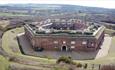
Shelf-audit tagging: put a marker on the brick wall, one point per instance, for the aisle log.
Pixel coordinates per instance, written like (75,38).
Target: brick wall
(56,42)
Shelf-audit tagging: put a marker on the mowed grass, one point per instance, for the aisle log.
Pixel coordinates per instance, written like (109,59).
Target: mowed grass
(4,64)
(9,41)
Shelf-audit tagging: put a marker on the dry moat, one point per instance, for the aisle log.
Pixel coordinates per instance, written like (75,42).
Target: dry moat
(58,37)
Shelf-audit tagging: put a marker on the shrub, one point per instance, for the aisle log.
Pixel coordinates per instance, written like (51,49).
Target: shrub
(65,60)
(79,65)
(12,59)
(85,66)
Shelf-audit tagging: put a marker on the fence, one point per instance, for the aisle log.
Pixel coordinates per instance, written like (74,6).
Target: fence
(97,67)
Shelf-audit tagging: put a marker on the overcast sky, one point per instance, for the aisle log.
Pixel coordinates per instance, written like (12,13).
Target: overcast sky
(92,3)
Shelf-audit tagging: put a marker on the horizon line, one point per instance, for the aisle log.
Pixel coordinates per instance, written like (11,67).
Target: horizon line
(55,4)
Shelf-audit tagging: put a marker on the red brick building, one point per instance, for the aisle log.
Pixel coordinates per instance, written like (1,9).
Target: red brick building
(61,35)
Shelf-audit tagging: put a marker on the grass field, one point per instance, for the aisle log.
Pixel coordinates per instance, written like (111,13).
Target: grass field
(3,63)
(9,41)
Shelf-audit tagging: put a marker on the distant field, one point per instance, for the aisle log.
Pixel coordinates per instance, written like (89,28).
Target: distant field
(11,14)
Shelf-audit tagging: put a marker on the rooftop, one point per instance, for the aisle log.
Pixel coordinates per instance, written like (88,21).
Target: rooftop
(71,27)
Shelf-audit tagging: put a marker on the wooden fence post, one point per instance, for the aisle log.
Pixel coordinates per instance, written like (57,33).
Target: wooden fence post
(99,66)
(92,66)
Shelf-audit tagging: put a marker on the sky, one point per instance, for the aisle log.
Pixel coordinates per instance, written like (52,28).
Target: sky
(90,3)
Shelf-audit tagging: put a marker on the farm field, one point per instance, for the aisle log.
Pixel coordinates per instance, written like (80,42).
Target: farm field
(11,14)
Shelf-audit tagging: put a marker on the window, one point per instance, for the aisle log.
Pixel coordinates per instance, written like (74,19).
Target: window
(64,42)
(92,44)
(55,42)
(72,42)
(72,47)
(56,47)
(84,42)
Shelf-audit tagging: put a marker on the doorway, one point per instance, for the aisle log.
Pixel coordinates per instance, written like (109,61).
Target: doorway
(64,48)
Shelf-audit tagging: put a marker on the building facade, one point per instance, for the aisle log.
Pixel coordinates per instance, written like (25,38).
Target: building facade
(48,37)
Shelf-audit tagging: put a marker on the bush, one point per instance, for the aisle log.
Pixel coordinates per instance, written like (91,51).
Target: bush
(12,59)
(79,65)
(85,66)
(65,60)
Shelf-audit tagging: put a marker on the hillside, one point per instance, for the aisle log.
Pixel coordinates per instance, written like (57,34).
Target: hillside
(58,10)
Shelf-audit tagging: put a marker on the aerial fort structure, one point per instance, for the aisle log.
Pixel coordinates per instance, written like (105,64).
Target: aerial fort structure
(65,35)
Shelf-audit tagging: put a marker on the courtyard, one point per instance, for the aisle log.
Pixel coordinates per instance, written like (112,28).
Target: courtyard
(27,49)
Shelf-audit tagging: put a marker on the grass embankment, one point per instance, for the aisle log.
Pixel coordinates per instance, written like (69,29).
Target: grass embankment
(9,42)
(10,45)
(109,31)
(4,64)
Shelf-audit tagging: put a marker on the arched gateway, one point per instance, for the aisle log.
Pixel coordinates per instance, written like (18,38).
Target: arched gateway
(64,48)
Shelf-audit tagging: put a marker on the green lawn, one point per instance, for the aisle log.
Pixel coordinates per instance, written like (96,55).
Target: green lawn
(3,63)
(9,42)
